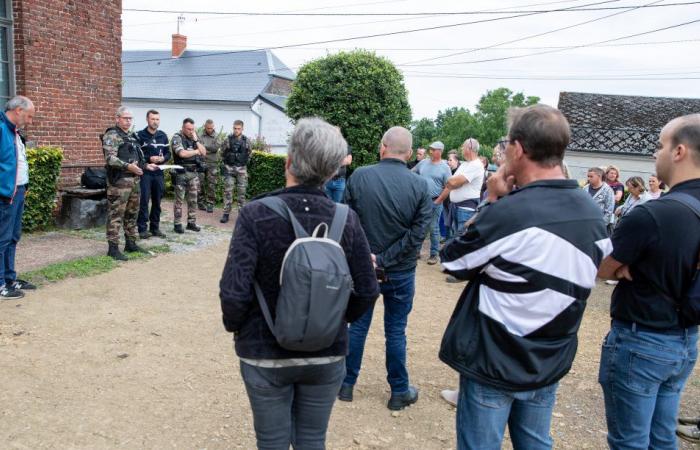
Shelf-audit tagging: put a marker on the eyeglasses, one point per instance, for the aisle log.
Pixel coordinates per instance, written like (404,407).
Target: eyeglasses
(502,144)
(126,118)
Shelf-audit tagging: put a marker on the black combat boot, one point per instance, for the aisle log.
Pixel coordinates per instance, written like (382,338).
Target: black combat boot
(224,218)
(210,209)
(115,253)
(193,227)
(178,228)
(131,246)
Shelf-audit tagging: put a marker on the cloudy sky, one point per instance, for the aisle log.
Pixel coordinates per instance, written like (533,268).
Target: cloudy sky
(615,51)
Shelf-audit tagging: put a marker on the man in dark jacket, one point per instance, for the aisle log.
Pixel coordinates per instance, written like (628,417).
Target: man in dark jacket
(154,144)
(395,208)
(531,257)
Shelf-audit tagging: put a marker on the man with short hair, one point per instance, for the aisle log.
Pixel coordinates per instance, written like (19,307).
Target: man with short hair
(14,179)
(208,178)
(189,153)
(602,195)
(154,144)
(395,209)
(125,166)
(235,153)
(652,346)
(531,256)
(436,172)
(420,156)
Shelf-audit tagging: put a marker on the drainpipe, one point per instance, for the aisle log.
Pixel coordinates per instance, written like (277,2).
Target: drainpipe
(259,118)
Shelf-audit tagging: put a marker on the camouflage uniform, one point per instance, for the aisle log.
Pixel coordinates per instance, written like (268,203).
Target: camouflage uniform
(123,189)
(207,179)
(235,154)
(185,181)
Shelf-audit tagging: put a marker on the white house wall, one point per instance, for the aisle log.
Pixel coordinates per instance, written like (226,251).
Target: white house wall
(172,114)
(580,162)
(276,126)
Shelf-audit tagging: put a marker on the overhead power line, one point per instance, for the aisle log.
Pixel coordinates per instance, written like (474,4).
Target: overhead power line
(430,13)
(353,38)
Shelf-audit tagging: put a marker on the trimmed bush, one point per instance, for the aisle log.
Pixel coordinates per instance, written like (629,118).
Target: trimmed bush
(265,173)
(44,168)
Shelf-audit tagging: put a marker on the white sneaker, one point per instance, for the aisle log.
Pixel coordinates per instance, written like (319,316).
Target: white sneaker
(611,282)
(450,396)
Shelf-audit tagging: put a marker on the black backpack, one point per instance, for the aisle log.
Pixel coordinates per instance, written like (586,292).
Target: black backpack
(94,178)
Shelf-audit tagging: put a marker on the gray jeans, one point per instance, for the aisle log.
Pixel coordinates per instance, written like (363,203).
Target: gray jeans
(292,405)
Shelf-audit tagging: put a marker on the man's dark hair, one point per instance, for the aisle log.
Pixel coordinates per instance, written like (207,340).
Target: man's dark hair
(188,120)
(688,133)
(151,111)
(237,122)
(542,131)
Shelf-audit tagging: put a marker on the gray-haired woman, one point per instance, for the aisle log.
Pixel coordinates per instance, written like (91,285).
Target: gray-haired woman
(292,393)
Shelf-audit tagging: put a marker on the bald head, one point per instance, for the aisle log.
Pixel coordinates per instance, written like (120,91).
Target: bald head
(397,141)
(685,130)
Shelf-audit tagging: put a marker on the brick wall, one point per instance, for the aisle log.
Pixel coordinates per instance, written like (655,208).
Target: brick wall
(68,61)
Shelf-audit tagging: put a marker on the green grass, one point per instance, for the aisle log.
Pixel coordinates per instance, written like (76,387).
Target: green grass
(86,267)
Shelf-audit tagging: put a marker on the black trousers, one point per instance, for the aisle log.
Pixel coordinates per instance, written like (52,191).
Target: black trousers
(152,188)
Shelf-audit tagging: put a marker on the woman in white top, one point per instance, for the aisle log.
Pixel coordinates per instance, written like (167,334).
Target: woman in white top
(654,187)
(638,195)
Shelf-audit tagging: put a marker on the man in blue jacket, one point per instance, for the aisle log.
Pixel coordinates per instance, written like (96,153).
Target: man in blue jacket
(14,179)
(155,146)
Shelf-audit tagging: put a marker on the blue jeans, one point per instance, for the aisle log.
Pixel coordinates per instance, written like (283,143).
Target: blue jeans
(397,293)
(10,233)
(642,374)
(152,188)
(483,412)
(335,189)
(292,405)
(460,218)
(435,230)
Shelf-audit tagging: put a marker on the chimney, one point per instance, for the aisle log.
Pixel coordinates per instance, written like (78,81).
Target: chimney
(179,45)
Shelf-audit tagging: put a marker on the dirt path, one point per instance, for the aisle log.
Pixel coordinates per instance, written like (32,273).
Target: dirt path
(138,358)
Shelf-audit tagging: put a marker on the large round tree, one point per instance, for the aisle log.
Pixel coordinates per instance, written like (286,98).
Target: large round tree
(358,91)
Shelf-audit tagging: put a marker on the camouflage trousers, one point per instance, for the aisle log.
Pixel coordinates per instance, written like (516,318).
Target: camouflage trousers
(207,185)
(185,185)
(123,199)
(241,180)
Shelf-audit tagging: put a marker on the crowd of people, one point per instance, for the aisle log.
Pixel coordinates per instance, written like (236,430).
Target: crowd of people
(528,239)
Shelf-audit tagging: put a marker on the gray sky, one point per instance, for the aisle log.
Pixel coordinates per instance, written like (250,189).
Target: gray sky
(654,68)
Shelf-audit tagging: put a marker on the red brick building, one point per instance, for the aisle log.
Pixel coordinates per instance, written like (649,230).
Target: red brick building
(65,55)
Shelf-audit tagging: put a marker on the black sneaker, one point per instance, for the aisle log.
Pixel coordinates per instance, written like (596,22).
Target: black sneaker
(158,233)
(345,393)
(193,227)
(143,234)
(210,209)
(398,402)
(224,218)
(202,207)
(22,284)
(178,228)
(9,293)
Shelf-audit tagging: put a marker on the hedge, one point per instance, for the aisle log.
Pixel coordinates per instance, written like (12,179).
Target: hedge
(265,174)
(44,168)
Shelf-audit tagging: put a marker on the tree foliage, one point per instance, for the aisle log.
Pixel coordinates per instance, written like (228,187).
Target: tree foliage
(358,91)
(488,123)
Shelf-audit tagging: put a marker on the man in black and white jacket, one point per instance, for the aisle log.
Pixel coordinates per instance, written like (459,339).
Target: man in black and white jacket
(531,256)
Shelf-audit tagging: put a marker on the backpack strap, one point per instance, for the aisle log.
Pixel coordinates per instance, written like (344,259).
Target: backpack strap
(338,224)
(687,199)
(280,207)
(263,307)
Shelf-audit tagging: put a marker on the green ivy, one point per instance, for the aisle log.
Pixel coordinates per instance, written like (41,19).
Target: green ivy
(44,168)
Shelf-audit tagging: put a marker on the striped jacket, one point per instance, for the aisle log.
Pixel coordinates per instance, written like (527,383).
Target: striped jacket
(532,260)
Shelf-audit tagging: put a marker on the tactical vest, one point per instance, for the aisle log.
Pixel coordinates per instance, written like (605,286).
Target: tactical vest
(187,144)
(238,151)
(129,151)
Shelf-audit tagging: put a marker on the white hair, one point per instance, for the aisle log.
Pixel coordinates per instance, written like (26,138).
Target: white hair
(19,101)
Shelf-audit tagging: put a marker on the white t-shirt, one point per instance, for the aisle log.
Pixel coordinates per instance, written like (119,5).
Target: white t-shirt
(473,171)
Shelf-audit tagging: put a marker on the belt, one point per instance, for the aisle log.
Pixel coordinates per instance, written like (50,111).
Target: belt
(634,326)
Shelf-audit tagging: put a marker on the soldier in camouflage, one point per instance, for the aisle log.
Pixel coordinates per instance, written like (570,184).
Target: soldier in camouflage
(235,153)
(207,179)
(189,153)
(125,164)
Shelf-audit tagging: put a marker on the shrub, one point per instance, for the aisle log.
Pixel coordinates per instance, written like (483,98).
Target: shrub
(44,168)
(265,173)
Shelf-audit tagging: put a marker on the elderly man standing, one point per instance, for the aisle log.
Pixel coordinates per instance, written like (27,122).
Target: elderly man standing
(395,208)
(512,336)
(652,345)
(189,154)
(14,178)
(207,179)
(436,172)
(125,165)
